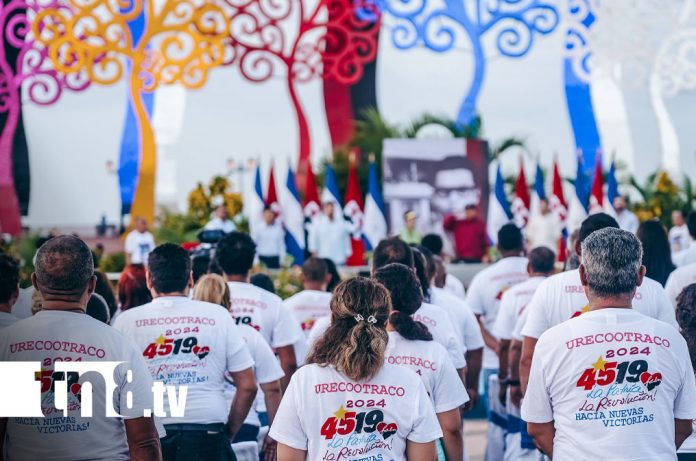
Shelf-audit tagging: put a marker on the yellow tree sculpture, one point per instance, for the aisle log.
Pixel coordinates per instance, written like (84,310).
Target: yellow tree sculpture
(179,42)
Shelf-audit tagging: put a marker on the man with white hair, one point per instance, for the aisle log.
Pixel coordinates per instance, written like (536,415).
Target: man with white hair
(611,383)
(561,297)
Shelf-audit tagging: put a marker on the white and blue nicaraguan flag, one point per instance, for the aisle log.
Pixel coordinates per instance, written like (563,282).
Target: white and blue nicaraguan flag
(612,190)
(499,212)
(293,219)
(374,220)
(539,191)
(331,192)
(256,201)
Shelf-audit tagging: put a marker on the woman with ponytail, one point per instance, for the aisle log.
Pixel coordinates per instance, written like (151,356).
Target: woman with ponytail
(347,403)
(686,317)
(411,346)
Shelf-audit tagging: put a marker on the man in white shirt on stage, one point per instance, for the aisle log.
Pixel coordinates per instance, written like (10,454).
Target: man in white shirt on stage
(329,236)
(679,237)
(221,220)
(270,240)
(139,243)
(688,254)
(543,229)
(627,220)
(611,383)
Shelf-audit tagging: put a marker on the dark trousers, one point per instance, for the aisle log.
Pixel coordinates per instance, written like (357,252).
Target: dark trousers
(196,442)
(247,433)
(686,456)
(271,262)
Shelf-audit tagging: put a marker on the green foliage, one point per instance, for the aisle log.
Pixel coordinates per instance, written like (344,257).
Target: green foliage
(24,249)
(114,262)
(177,227)
(660,196)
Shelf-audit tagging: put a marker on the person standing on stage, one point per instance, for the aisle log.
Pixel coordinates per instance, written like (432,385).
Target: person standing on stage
(469,235)
(269,237)
(139,243)
(329,236)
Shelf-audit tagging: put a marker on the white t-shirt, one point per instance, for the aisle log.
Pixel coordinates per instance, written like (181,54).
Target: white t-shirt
(687,256)
(561,297)
(52,336)
(679,279)
(455,286)
(264,312)
(330,238)
(628,221)
(512,306)
(464,319)
(270,240)
(227,225)
(190,343)
(679,238)
(613,381)
(431,362)
(318,329)
(266,369)
(7,319)
(139,245)
(486,291)
(441,326)
(437,320)
(332,417)
(544,231)
(307,306)
(22,307)
(519,324)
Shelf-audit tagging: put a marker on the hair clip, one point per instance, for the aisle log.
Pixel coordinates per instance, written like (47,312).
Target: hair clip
(372,319)
(359,318)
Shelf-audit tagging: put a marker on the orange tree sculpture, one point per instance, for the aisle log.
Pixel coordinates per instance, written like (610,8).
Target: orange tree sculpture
(180,42)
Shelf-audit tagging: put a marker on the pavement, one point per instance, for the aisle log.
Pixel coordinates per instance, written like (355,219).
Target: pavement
(475,431)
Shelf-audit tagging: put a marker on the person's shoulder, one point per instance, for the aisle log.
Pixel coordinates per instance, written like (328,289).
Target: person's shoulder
(297,297)
(557,334)
(562,278)
(271,298)
(132,314)
(200,308)
(400,375)
(650,285)
(688,270)
(431,309)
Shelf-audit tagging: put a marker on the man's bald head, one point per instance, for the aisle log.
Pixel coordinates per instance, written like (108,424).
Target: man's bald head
(65,267)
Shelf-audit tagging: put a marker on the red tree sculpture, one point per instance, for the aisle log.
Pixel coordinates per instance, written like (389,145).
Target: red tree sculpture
(300,42)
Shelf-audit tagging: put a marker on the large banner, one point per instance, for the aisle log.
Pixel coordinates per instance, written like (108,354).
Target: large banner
(434,178)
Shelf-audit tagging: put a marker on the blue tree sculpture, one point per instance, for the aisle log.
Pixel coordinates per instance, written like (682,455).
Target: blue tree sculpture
(434,24)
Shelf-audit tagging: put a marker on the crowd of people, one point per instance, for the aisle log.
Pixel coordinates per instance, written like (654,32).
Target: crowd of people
(592,362)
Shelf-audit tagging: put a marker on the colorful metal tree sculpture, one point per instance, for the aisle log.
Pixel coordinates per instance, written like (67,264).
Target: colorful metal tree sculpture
(180,42)
(330,41)
(23,62)
(514,23)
